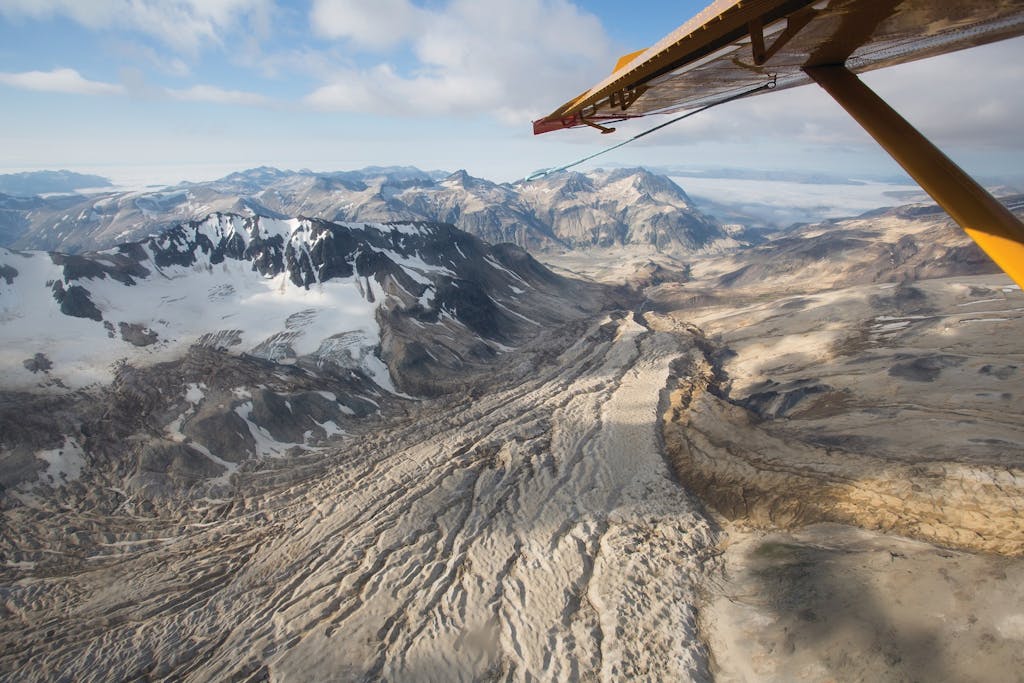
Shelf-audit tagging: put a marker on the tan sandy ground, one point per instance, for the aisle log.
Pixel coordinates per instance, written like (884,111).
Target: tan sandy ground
(532,533)
(886,411)
(536,530)
(835,603)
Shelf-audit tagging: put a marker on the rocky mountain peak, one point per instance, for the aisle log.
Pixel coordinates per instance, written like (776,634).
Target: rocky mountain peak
(460,178)
(623,206)
(279,289)
(576,183)
(241,338)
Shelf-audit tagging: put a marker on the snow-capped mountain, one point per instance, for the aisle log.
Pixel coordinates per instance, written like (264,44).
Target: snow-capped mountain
(287,291)
(243,337)
(565,210)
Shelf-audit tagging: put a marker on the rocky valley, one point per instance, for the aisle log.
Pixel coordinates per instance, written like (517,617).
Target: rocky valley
(320,433)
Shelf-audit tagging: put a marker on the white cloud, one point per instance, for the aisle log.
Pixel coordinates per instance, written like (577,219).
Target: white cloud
(972,97)
(136,53)
(71,82)
(514,60)
(186,25)
(211,93)
(59,80)
(379,24)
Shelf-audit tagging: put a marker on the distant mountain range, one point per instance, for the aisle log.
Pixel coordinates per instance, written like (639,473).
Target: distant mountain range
(568,210)
(33,183)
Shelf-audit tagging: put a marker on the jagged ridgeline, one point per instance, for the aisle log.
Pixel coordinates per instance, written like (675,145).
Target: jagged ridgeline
(238,337)
(302,291)
(567,210)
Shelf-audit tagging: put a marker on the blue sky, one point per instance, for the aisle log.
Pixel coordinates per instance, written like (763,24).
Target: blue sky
(173,89)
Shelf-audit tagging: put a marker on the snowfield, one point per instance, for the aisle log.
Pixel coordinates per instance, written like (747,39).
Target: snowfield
(226,303)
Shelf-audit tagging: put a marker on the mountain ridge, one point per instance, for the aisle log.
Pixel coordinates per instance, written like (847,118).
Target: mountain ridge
(233,339)
(563,211)
(31,183)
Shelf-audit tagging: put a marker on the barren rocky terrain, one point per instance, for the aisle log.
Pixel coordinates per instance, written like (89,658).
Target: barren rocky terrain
(850,388)
(533,532)
(740,471)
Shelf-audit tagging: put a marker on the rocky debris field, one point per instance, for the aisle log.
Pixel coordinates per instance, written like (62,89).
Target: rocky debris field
(888,407)
(534,531)
(748,475)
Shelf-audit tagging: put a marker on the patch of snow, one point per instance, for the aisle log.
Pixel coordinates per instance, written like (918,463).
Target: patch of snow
(266,445)
(331,428)
(403,229)
(980,301)
(184,303)
(425,298)
(891,327)
(229,467)
(194,392)
(380,374)
(518,315)
(903,317)
(65,463)
(497,265)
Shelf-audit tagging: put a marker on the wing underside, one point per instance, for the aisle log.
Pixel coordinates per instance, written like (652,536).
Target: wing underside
(734,46)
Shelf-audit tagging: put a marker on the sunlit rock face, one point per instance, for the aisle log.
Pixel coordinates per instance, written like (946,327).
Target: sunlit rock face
(564,210)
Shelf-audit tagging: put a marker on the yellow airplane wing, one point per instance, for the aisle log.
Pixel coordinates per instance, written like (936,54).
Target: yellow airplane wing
(736,46)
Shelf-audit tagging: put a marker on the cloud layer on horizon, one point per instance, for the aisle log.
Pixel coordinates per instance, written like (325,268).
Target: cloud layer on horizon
(448,64)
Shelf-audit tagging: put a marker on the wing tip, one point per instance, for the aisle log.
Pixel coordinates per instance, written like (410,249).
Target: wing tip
(551,124)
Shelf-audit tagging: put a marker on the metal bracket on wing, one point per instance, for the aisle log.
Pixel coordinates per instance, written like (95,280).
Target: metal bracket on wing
(794,23)
(604,129)
(624,99)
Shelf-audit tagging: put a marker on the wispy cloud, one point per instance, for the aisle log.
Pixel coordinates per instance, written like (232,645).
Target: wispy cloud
(185,25)
(71,82)
(138,53)
(210,93)
(510,59)
(60,81)
(378,25)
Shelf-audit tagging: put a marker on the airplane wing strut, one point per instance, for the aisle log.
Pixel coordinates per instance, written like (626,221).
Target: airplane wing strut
(990,224)
(733,45)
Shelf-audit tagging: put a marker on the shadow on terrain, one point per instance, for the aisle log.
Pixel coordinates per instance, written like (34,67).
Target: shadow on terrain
(840,619)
